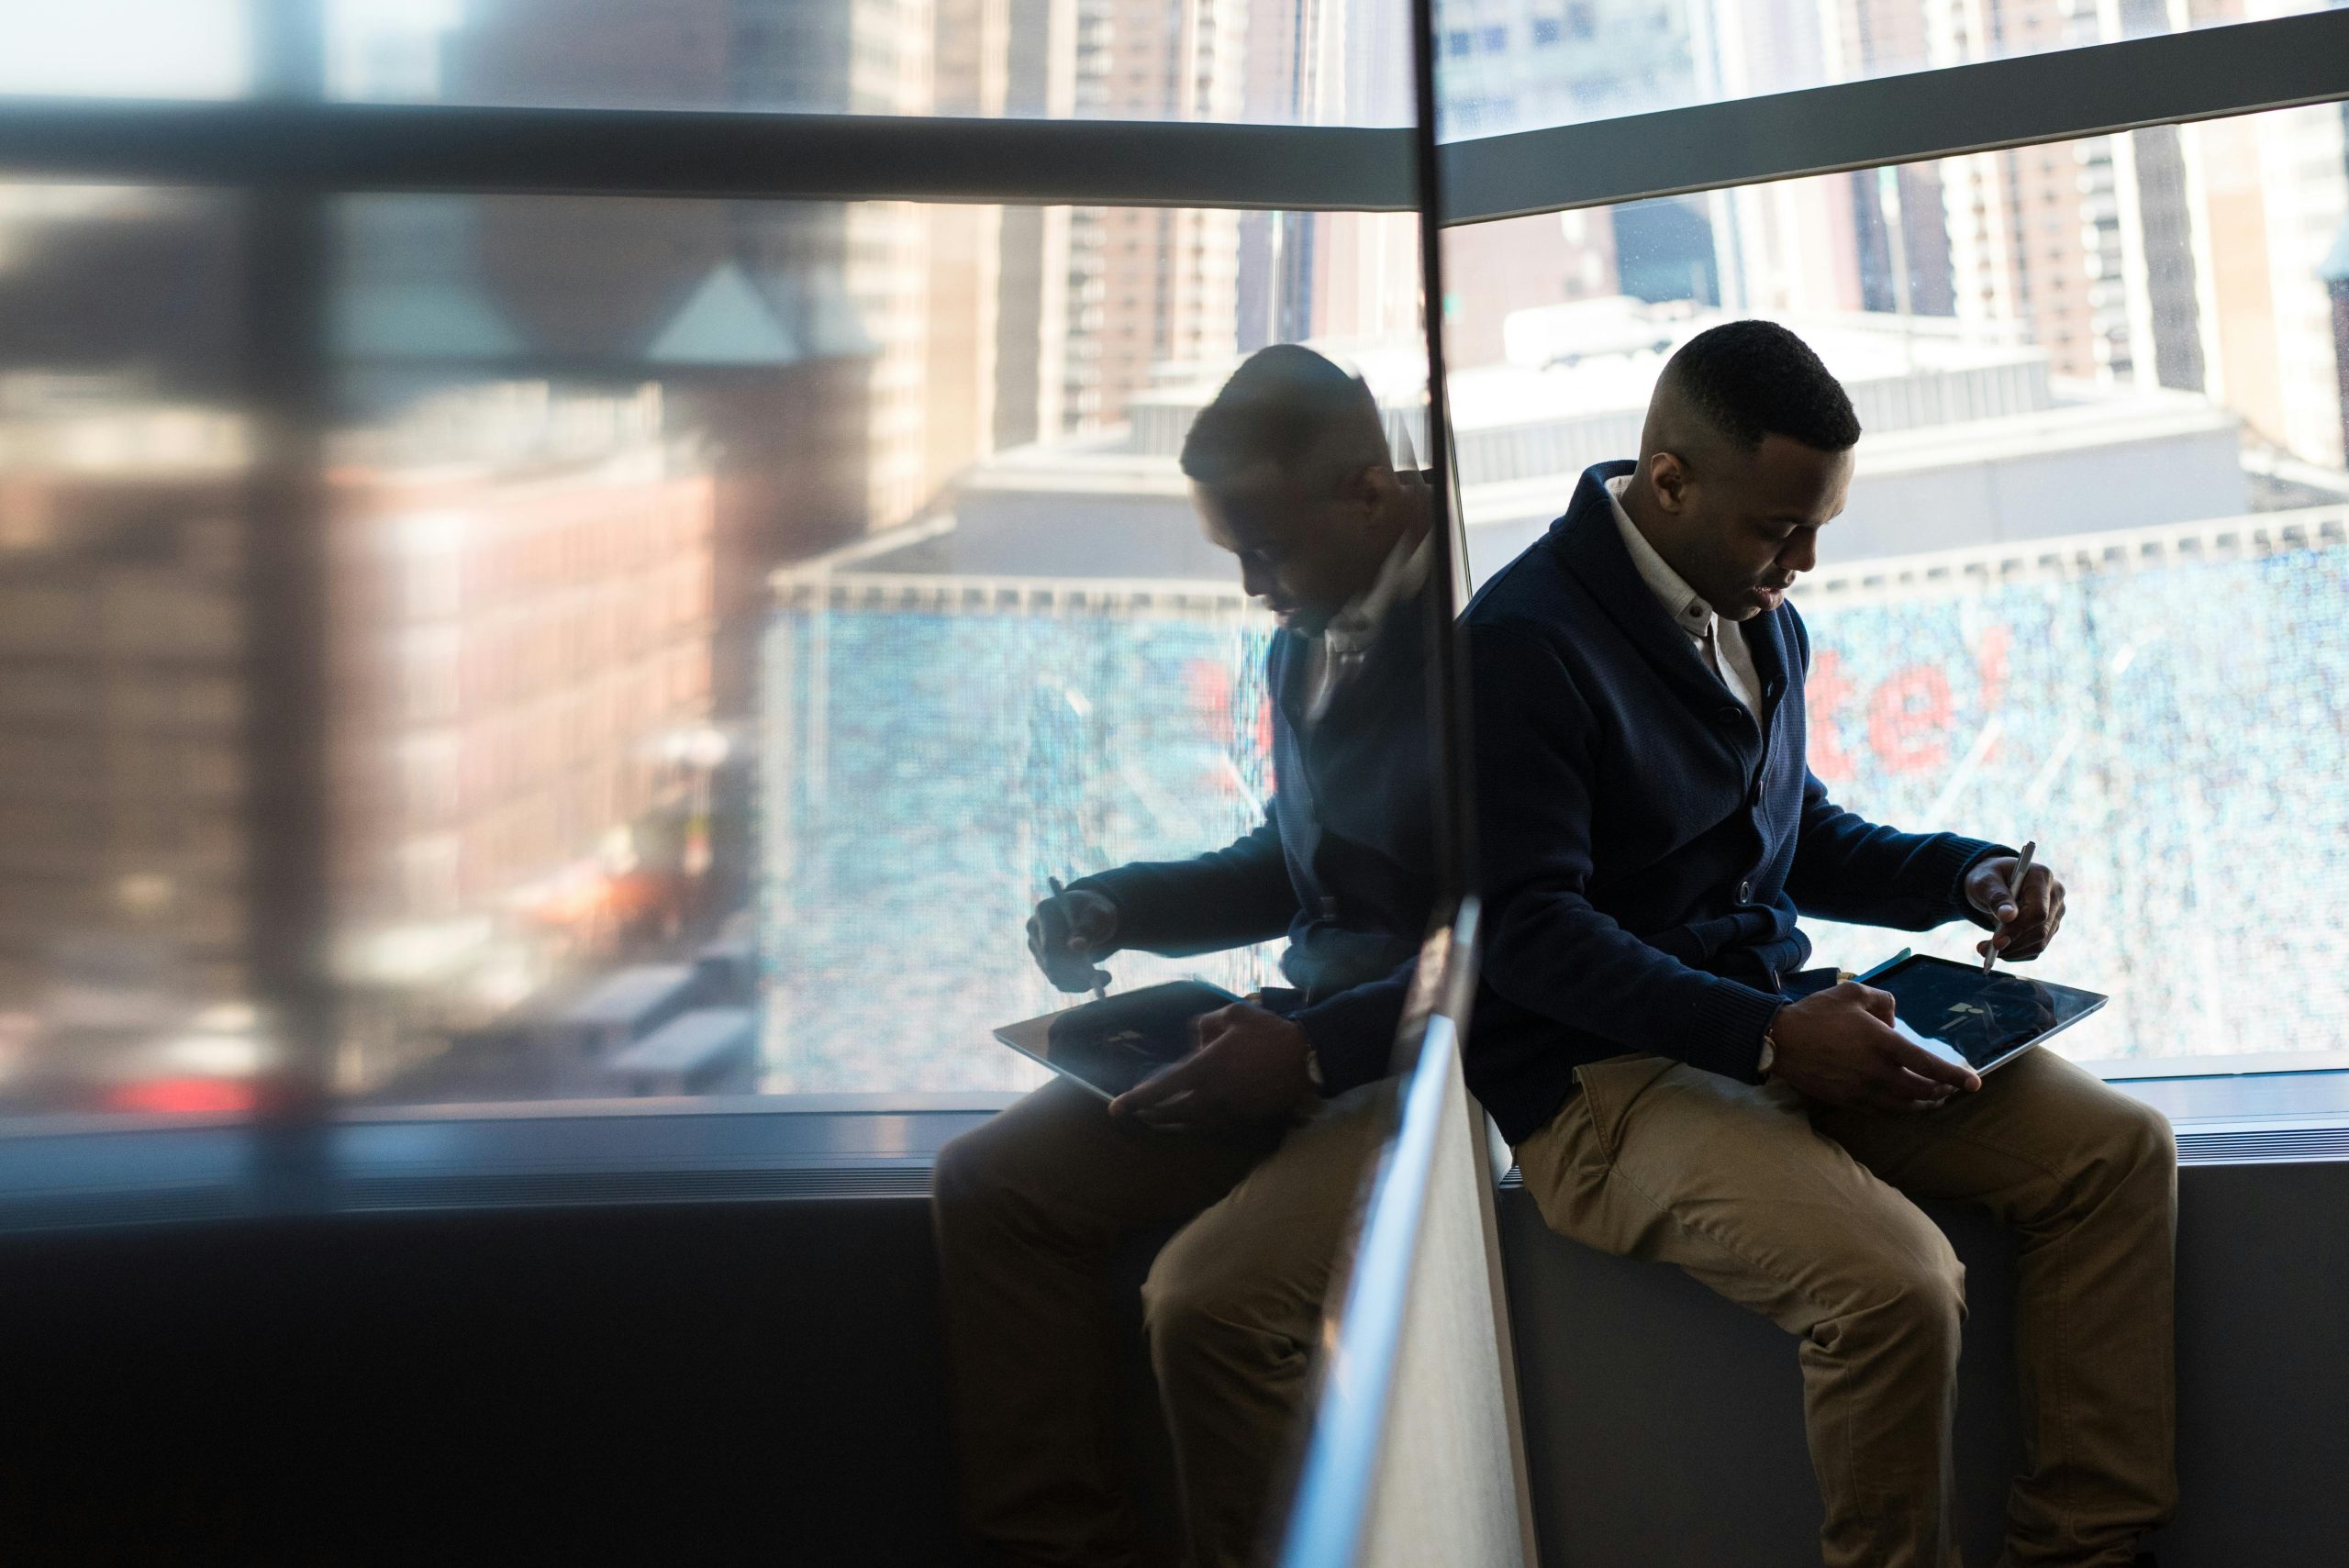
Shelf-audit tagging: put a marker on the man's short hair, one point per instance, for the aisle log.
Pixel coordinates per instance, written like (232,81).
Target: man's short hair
(1293,408)
(1751,379)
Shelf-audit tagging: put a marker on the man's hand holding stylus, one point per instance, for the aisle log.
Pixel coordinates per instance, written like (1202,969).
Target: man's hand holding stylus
(1068,936)
(2029,916)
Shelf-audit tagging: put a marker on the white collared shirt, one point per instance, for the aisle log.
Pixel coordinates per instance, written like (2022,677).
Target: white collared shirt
(1720,645)
(1345,641)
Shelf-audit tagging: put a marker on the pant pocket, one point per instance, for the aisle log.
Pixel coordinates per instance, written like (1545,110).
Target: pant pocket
(1609,1090)
(1564,1165)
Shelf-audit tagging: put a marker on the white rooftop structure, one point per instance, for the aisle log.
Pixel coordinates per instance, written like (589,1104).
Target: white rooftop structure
(1969,441)
(624,998)
(691,1042)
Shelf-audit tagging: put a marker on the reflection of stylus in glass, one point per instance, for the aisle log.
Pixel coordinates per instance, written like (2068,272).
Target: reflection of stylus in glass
(1100,992)
(2014,887)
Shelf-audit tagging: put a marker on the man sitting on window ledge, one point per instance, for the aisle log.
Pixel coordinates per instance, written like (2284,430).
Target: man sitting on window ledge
(1675,1090)
(1258,1144)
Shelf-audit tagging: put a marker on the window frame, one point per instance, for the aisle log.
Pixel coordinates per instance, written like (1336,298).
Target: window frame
(289,152)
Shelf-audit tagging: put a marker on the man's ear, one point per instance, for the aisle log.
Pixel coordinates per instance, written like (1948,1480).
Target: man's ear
(1667,479)
(1373,487)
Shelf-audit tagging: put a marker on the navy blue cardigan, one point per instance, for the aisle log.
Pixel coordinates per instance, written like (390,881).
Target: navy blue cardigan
(1343,861)
(1646,846)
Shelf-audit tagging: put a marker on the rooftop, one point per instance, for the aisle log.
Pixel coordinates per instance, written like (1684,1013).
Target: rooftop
(690,1040)
(625,996)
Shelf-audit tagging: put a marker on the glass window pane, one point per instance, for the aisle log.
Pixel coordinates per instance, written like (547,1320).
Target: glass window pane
(2091,579)
(1285,61)
(744,611)
(128,48)
(1564,61)
(124,462)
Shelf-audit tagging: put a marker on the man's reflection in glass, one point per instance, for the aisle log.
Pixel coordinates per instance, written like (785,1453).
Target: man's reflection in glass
(1254,1146)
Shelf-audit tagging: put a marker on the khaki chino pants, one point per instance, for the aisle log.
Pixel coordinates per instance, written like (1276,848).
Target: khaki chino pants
(1028,1209)
(1802,1212)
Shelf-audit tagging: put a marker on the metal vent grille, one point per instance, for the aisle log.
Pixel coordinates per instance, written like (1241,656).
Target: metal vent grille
(155,1206)
(2262,1145)
(2250,1146)
(525,1189)
(519,1189)
(901,1181)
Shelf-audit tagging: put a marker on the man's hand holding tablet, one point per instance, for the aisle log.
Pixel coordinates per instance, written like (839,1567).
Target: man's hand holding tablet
(1838,1046)
(1249,1065)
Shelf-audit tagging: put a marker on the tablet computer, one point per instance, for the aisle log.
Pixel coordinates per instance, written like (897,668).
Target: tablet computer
(1113,1044)
(1960,1014)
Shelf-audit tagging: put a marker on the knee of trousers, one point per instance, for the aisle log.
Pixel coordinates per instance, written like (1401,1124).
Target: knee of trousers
(2121,1167)
(1189,1305)
(968,1176)
(2136,1140)
(1915,1296)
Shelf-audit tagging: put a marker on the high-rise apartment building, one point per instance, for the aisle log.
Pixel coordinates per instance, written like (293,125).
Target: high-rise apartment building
(520,661)
(2334,272)
(2270,193)
(122,700)
(1504,65)
(2083,246)
(1095,304)
(2018,254)
(126,478)
(836,355)
(1094,299)
(1332,275)
(839,56)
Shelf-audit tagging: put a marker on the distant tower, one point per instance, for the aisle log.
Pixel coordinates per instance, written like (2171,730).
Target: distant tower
(2335,274)
(2034,232)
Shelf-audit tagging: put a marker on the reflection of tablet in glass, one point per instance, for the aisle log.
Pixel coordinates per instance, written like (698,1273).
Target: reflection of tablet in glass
(1112,1044)
(1960,1014)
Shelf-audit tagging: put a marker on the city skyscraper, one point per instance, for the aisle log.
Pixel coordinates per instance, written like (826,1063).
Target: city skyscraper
(123,799)
(521,649)
(1094,298)
(1095,303)
(2269,194)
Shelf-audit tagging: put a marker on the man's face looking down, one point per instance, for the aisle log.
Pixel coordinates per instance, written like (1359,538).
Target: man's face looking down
(1306,548)
(1739,525)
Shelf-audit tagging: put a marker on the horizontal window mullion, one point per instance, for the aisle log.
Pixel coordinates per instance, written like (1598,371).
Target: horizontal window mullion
(2056,96)
(462,150)
(2059,95)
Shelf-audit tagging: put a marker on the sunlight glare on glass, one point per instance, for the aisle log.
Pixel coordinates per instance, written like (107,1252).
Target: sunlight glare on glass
(125,49)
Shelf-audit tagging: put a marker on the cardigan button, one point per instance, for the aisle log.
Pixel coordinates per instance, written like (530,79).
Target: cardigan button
(1730,714)
(1745,893)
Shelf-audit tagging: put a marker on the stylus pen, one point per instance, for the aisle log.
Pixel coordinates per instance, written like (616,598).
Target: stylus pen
(1100,992)
(2022,869)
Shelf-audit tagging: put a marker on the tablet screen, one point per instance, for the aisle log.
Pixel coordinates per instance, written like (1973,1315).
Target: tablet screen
(1957,1011)
(1113,1044)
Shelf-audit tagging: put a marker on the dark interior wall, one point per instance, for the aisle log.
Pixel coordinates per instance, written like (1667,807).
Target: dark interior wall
(763,1382)
(727,1382)
(1663,1425)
